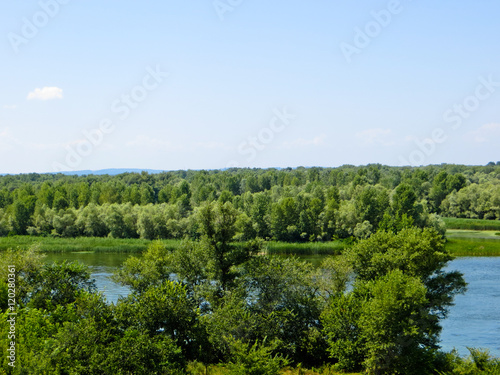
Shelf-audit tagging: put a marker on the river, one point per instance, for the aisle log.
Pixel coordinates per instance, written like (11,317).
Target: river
(474,321)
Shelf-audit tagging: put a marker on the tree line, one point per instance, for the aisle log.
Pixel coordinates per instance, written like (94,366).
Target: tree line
(301,204)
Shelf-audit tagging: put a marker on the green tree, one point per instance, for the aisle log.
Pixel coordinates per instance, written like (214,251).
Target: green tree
(284,219)
(439,190)
(147,194)
(46,194)
(58,284)
(396,326)
(152,268)
(259,213)
(64,224)
(161,310)
(403,201)
(83,194)
(218,227)
(400,293)
(20,217)
(370,203)
(90,221)
(60,200)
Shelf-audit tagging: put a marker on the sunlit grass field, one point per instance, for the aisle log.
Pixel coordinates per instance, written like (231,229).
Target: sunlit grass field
(471,224)
(306,248)
(460,242)
(52,244)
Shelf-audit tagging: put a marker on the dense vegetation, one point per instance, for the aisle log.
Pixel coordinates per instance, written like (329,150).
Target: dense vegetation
(377,307)
(213,299)
(292,205)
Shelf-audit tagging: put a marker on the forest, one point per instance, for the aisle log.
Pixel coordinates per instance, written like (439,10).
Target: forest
(293,205)
(217,304)
(212,306)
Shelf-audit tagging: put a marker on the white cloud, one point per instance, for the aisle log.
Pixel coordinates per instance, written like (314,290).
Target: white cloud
(376,136)
(485,133)
(47,93)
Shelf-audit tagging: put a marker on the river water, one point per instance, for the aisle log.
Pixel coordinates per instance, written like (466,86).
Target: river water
(474,321)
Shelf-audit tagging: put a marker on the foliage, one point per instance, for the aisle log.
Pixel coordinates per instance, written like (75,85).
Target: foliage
(256,359)
(292,205)
(153,268)
(57,284)
(211,300)
(389,321)
(479,362)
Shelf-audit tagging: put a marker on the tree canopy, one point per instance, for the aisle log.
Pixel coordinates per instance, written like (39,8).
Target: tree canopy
(301,204)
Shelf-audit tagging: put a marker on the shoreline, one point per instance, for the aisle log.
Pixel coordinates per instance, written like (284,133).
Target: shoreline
(459,243)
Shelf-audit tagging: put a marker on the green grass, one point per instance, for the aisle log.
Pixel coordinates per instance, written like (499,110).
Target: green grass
(305,248)
(52,244)
(95,244)
(472,237)
(473,234)
(471,224)
(460,243)
(460,246)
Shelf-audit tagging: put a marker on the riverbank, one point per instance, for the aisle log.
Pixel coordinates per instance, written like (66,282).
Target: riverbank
(473,243)
(460,242)
(118,245)
(471,224)
(95,244)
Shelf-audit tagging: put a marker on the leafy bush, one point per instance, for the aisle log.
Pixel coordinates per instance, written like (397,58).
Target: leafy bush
(256,359)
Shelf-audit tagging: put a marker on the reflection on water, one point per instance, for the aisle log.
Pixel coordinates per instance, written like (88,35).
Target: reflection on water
(474,321)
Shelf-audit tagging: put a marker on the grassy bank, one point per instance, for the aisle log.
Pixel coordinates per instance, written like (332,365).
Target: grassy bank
(473,234)
(306,248)
(473,237)
(473,246)
(471,224)
(460,243)
(96,244)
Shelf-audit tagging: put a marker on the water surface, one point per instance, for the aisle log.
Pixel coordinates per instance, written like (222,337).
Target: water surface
(474,321)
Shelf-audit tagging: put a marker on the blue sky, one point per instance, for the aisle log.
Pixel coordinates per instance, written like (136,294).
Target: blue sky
(210,84)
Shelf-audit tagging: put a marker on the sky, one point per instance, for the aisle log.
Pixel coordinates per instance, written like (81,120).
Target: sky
(206,84)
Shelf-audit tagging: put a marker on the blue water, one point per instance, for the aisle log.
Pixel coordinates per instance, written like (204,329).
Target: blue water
(474,321)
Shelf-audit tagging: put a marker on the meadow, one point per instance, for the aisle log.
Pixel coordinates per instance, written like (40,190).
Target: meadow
(471,224)
(460,242)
